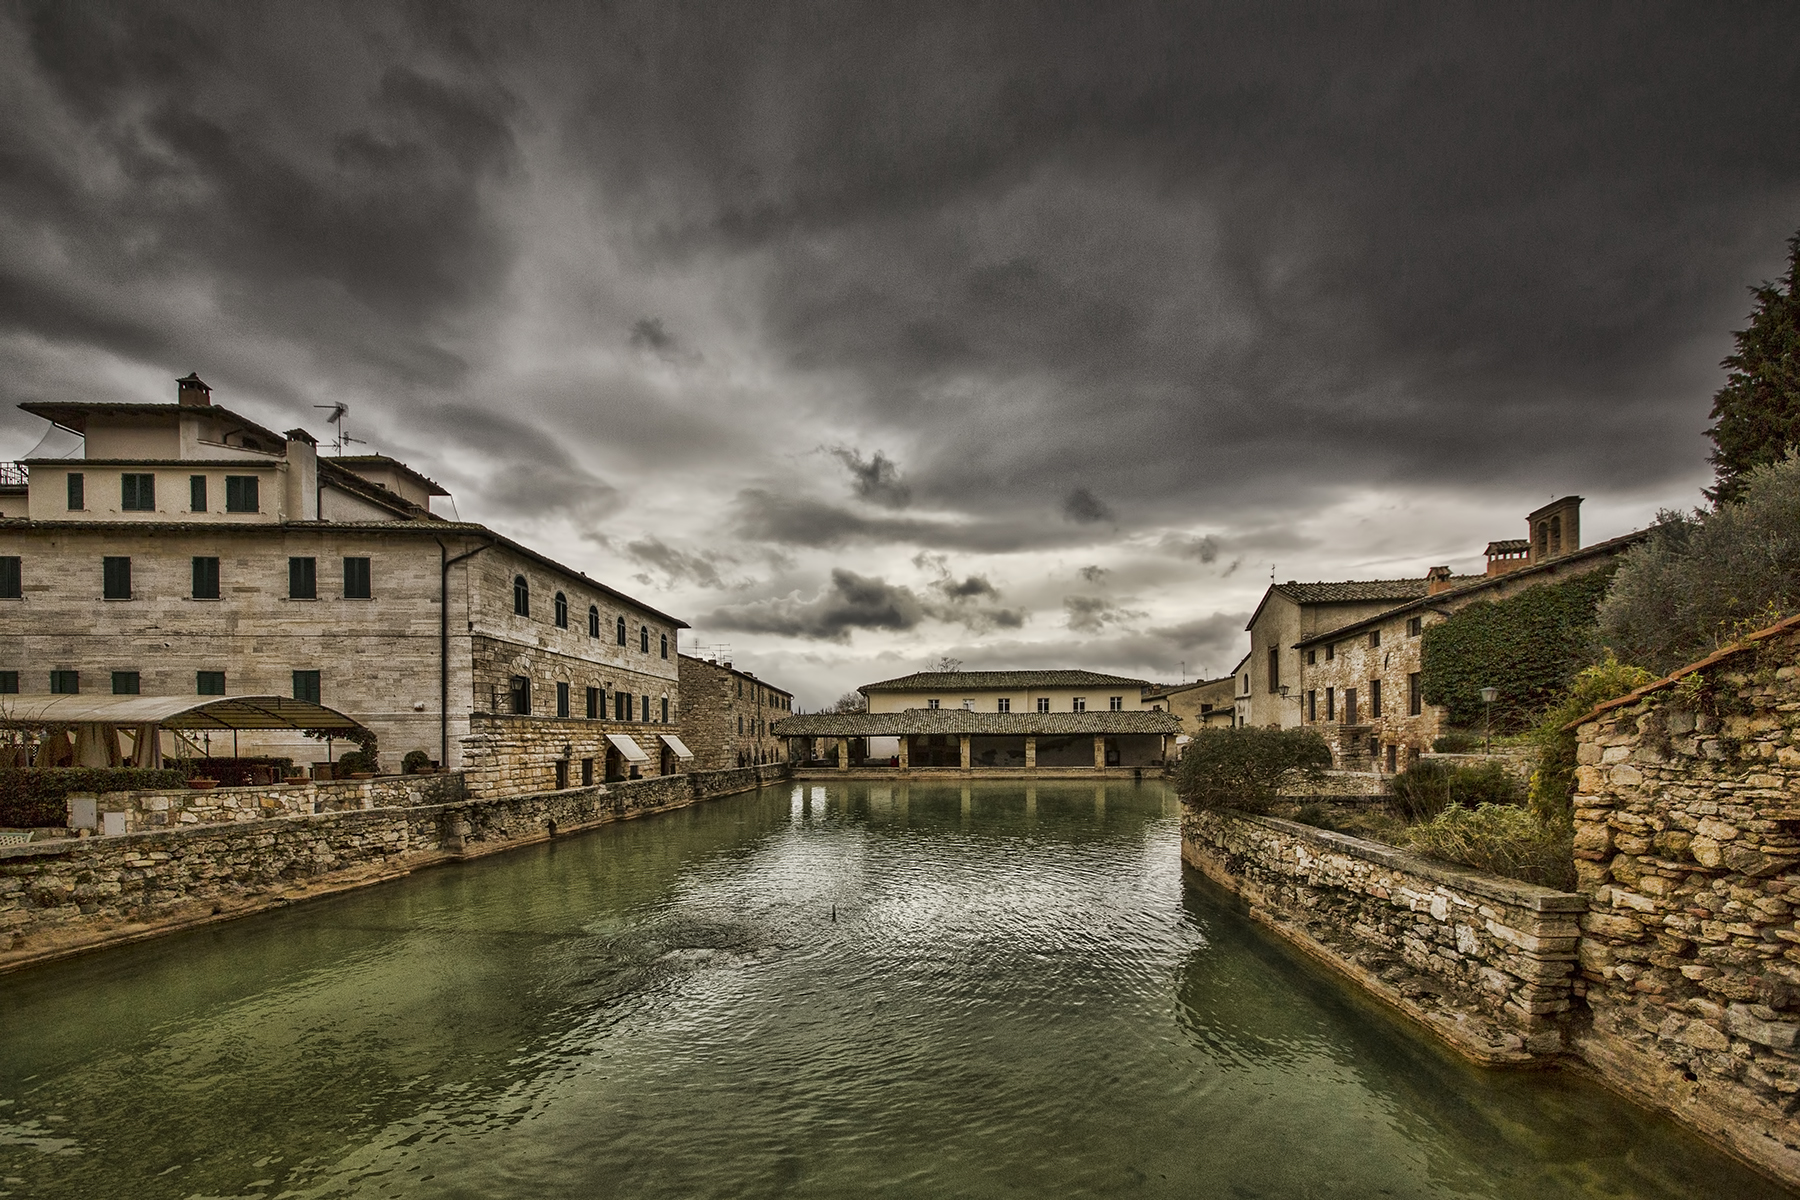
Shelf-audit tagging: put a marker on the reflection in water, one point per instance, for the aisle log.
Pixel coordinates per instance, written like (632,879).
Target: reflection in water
(1019,994)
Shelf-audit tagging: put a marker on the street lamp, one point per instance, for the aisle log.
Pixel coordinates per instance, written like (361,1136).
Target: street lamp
(1488,696)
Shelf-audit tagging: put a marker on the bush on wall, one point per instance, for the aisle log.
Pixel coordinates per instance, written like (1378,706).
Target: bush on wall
(1528,646)
(1246,768)
(36,797)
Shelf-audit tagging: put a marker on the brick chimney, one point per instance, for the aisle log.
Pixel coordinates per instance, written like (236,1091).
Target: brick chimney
(1437,580)
(191,390)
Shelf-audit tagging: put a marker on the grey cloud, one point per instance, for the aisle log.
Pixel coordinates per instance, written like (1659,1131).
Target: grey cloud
(648,333)
(1091,614)
(1084,507)
(678,566)
(1093,573)
(875,479)
(850,602)
(1201,549)
(760,514)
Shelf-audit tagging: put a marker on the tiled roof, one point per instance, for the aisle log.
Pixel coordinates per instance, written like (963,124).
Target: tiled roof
(961,720)
(1353,591)
(971,681)
(1509,546)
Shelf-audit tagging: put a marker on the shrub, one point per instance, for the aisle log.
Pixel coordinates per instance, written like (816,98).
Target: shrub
(351,762)
(1246,768)
(1527,646)
(1428,787)
(1313,813)
(414,760)
(1499,838)
(230,772)
(1553,783)
(36,797)
(1455,742)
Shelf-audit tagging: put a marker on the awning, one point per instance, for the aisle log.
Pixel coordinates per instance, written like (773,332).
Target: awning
(674,743)
(630,749)
(173,712)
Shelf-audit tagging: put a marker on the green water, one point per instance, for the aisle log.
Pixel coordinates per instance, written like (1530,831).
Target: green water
(1020,995)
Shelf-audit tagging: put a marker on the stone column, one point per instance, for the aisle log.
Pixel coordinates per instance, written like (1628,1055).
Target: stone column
(843,754)
(1031,753)
(905,751)
(1099,751)
(964,738)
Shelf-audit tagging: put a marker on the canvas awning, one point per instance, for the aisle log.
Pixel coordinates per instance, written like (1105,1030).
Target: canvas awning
(674,743)
(173,712)
(630,749)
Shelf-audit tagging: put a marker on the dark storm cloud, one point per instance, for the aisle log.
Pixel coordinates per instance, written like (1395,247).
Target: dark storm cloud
(676,566)
(1091,614)
(875,479)
(789,520)
(849,602)
(1085,508)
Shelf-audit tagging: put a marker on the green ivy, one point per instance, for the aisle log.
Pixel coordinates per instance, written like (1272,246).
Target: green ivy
(34,797)
(1528,646)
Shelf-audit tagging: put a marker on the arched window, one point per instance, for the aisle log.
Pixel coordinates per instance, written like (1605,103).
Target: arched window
(521,596)
(621,631)
(665,645)
(562,611)
(593,621)
(644,638)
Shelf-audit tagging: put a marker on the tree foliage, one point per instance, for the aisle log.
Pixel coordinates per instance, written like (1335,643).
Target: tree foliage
(1246,768)
(1527,646)
(1553,783)
(1756,415)
(851,702)
(1703,581)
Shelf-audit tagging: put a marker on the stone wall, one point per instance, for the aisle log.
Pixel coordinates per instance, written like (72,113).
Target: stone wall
(508,755)
(188,806)
(1487,963)
(62,896)
(726,715)
(1687,839)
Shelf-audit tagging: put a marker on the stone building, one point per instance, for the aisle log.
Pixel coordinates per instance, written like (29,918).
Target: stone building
(188,550)
(998,721)
(1360,683)
(727,715)
(1203,704)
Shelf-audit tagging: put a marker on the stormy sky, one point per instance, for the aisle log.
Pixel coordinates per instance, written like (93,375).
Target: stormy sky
(861,334)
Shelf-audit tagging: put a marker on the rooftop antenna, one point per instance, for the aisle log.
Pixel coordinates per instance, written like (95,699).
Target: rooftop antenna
(1184,671)
(339,418)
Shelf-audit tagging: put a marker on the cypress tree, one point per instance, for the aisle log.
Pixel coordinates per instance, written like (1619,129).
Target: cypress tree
(1756,414)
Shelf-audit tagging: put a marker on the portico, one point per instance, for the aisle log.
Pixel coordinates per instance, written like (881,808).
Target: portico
(983,744)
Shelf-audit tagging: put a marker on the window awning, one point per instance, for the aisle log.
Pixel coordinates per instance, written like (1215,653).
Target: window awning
(173,712)
(630,749)
(674,743)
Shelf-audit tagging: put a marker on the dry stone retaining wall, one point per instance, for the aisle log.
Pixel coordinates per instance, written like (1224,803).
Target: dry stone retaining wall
(69,894)
(1488,963)
(189,806)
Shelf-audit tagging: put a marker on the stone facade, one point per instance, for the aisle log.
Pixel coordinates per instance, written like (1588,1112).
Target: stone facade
(1687,840)
(508,755)
(1487,963)
(727,715)
(62,896)
(1202,705)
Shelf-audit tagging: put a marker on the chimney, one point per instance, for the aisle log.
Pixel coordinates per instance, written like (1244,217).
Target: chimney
(1555,529)
(191,390)
(1437,580)
(302,476)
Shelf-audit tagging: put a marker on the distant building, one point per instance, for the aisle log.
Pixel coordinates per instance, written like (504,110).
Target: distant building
(1203,704)
(727,715)
(189,550)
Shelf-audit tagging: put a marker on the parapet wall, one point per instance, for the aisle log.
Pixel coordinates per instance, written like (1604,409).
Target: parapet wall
(63,896)
(1687,839)
(191,806)
(1488,963)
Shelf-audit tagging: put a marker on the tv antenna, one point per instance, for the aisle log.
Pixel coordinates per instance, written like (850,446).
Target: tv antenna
(340,420)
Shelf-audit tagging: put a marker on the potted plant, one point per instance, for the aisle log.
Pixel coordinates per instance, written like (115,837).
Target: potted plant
(417,762)
(201,785)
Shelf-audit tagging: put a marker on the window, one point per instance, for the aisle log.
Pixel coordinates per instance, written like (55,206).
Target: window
(587,772)
(665,645)
(303,579)
(1331,704)
(1312,657)
(1374,638)
(137,493)
(1274,668)
(1003,705)
(196,493)
(1312,706)
(561,606)
(521,596)
(115,578)
(740,724)
(619,632)
(65,683)
(928,703)
(12,581)
(1116,704)
(593,703)
(562,699)
(1043,704)
(562,774)
(644,639)
(209,683)
(1374,697)
(1330,652)
(622,707)
(9,682)
(206,578)
(306,686)
(240,494)
(646,708)
(593,621)
(968,706)
(1349,706)
(1415,626)
(1415,697)
(356,579)
(125,683)
(520,695)
(1079,704)
(77,491)
(665,710)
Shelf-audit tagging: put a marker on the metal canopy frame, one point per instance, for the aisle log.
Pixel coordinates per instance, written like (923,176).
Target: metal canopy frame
(202,714)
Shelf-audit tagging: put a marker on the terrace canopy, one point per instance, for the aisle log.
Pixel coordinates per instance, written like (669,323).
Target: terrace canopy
(96,720)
